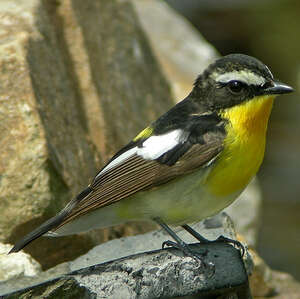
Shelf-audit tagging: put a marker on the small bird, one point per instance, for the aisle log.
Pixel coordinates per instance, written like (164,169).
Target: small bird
(189,164)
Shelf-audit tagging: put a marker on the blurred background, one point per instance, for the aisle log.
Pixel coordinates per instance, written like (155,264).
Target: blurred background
(268,30)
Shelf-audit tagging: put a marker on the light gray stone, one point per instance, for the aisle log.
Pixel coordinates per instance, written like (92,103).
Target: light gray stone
(14,266)
(21,282)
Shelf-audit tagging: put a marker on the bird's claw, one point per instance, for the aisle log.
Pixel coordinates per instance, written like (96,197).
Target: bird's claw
(235,243)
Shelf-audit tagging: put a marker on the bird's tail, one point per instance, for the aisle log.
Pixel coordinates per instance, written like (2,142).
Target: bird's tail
(51,223)
(41,230)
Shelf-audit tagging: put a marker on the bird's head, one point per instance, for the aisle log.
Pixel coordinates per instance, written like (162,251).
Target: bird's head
(234,79)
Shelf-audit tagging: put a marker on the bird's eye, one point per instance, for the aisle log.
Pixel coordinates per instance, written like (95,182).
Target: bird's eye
(235,87)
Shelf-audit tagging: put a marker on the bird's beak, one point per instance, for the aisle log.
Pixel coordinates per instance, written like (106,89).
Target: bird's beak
(277,87)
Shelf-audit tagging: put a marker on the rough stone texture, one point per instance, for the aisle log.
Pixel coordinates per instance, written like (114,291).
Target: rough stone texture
(264,282)
(45,155)
(156,274)
(124,247)
(113,67)
(49,90)
(20,264)
(24,179)
(124,71)
(21,282)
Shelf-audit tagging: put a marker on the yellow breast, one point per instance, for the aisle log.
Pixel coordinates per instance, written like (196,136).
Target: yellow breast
(244,146)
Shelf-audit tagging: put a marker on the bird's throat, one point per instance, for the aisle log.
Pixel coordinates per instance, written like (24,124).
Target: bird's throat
(251,117)
(244,146)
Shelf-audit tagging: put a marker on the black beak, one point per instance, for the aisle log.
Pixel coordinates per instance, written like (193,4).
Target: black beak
(277,87)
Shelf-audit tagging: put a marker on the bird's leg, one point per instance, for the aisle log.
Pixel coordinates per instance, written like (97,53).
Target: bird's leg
(220,239)
(179,243)
(195,234)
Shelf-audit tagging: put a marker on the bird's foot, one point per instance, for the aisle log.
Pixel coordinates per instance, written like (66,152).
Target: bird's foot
(220,239)
(198,257)
(235,243)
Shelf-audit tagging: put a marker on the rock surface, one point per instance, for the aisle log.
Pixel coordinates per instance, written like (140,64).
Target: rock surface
(153,274)
(159,274)
(264,282)
(70,81)
(14,266)
(45,155)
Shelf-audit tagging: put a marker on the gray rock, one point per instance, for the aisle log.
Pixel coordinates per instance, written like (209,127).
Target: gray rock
(105,253)
(17,283)
(156,274)
(14,266)
(210,229)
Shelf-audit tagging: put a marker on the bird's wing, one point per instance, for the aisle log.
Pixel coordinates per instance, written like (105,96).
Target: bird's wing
(146,163)
(151,159)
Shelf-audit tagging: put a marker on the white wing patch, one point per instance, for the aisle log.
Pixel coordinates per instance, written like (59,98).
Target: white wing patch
(244,76)
(156,146)
(151,149)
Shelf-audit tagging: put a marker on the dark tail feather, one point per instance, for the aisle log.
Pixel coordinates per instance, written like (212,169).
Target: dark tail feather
(51,223)
(42,229)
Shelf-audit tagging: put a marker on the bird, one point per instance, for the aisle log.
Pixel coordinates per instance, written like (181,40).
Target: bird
(189,164)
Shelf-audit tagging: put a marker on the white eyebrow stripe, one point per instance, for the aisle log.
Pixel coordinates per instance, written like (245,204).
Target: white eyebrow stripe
(247,77)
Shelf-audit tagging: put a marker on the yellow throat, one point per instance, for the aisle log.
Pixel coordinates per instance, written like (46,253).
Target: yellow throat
(244,146)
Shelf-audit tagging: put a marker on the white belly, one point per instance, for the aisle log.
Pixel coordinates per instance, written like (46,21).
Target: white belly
(180,201)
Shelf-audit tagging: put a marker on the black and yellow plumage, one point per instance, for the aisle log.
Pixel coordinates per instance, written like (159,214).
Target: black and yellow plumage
(190,163)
